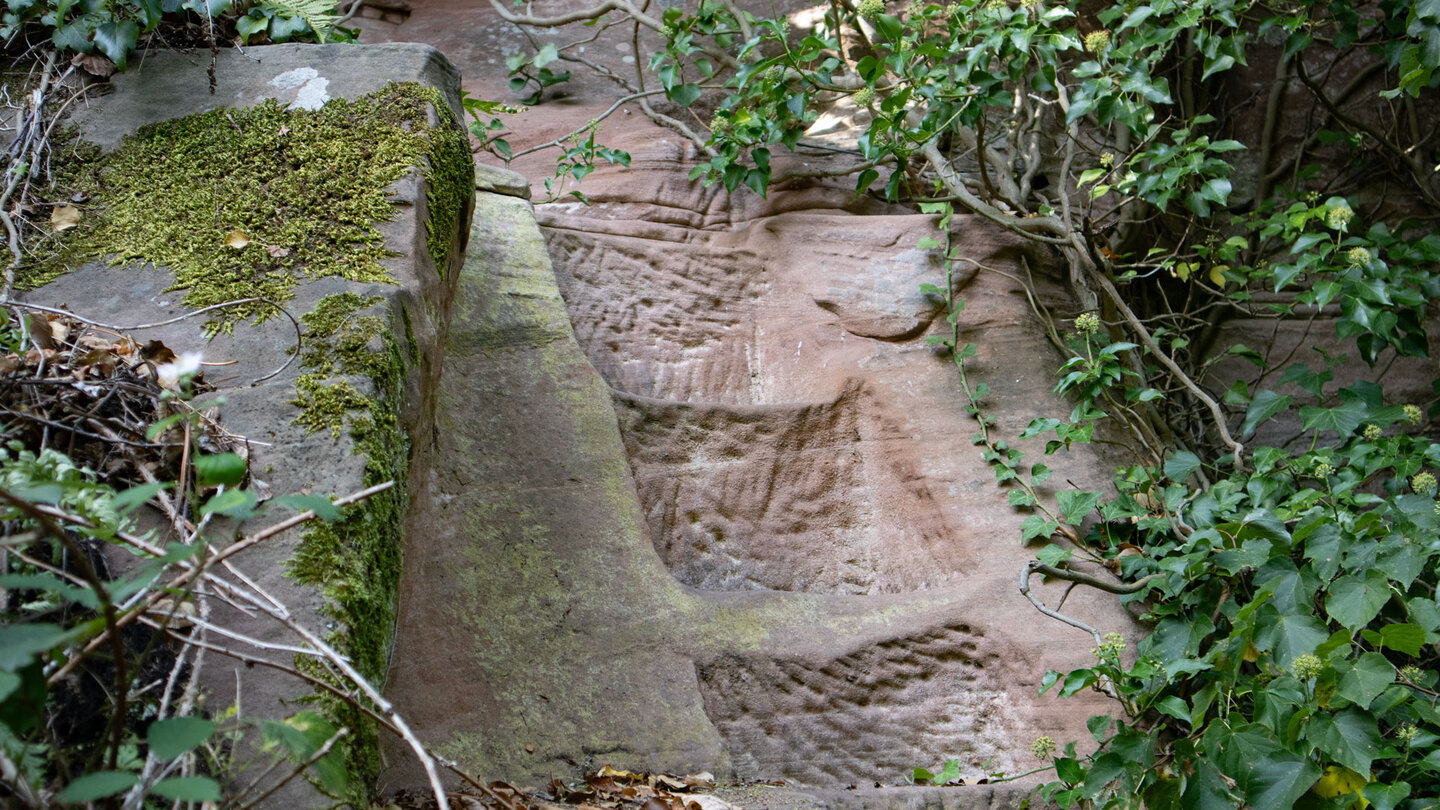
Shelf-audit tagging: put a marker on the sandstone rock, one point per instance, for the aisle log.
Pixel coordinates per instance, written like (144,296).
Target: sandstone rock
(501,181)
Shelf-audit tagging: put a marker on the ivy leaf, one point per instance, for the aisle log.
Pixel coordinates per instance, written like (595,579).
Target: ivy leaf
(1288,635)
(1351,738)
(1355,599)
(1386,797)
(1265,405)
(684,94)
(1052,555)
(1179,466)
(117,39)
(1405,638)
(1075,505)
(1271,777)
(1371,675)
(1036,526)
(1342,418)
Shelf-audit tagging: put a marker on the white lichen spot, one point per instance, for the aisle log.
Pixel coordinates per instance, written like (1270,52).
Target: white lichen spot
(291,79)
(310,87)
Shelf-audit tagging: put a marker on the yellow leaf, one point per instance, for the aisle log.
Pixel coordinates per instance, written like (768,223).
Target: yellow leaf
(1184,269)
(1341,781)
(237,239)
(1217,275)
(64,217)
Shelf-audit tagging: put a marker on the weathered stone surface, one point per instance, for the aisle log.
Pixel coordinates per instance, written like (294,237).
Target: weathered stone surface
(169,84)
(814,575)
(283,454)
(501,181)
(789,429)
(541,632)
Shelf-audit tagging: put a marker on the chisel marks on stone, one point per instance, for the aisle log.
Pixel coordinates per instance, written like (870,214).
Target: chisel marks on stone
(874,714)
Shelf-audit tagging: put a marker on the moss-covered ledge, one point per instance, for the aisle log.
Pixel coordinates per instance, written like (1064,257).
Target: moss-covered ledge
(247,203)
(354,216)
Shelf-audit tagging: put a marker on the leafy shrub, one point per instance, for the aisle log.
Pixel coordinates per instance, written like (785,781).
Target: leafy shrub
(1289,588)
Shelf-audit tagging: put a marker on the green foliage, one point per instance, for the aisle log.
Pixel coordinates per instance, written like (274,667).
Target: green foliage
(526,69)
(47,620)
(1289,589)
(116,29)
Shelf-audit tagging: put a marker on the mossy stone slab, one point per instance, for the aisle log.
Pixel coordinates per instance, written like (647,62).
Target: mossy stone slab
(395,373)
(168,84)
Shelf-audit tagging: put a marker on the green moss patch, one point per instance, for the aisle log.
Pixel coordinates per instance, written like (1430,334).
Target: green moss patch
(303,188)
(355,561)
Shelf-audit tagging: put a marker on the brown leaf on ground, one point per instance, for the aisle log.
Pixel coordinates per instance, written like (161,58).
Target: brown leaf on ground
(157,352)
(237,239)
(64,217)
(94,64)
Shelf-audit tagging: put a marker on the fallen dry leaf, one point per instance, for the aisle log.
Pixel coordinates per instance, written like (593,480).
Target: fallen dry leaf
(237,239)
(157,352)
(277,252)
(40,333)
(64,217)
(94,64)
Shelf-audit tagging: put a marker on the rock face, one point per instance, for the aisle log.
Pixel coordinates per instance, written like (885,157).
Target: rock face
(687,488)
(541,630)
(777,555)
(408,317)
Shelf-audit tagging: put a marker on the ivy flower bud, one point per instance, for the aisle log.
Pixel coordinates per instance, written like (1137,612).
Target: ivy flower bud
(1307,666)
(1322,471)
(1107,159)
(1406,734)
(1412,414)
(1372,433)
(1423,483)
(864,97)
(1043,747)
(1087,324)
(1339,217)
(668,32)
(1411,673)
(1358,257)
(870,9)
(1110,647)
(775,75)
(1097,41)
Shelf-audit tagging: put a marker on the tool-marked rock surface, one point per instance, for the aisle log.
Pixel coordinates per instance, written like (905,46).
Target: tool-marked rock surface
(789,429)
(777,555)
(260,404)
(540,631)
